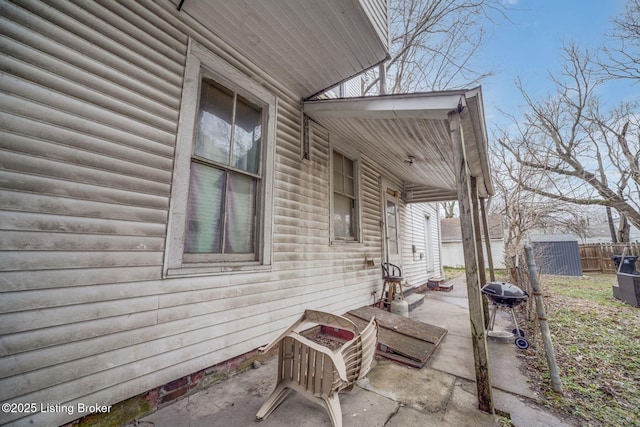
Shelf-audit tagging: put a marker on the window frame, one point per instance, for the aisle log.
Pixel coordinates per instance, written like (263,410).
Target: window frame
(202,63)
(355,158)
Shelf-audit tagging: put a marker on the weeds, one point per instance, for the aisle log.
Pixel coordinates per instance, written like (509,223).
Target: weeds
(597,345)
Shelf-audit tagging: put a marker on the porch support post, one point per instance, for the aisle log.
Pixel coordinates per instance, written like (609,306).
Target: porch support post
(476,315)
(479,251)
(487,241)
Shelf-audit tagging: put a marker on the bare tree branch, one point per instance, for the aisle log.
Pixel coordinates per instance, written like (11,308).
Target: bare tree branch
(433,41)
(580,154)
(623,52)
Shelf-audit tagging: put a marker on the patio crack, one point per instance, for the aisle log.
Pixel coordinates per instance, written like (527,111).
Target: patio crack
(393,414)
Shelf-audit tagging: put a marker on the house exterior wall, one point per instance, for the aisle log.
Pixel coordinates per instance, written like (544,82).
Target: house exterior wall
(420,247)
(453,254)
(90,108)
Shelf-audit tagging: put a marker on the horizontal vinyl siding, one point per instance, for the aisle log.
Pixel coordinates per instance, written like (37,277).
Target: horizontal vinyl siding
(88,114)
(89,98)
(415,234)
(89,103)
(378,12)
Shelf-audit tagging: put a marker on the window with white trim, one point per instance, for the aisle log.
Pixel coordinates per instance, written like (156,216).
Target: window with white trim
(345,223)
(220,205)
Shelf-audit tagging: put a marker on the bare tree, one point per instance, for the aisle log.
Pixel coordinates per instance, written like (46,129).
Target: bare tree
(432,44)
(581,154)
(624,50)
(524,210)
(449,209)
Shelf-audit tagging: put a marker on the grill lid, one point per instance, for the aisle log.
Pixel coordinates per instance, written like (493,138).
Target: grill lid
(504,291)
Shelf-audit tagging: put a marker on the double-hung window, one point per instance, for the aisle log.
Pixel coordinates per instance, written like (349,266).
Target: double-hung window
(345,211)
(220,213)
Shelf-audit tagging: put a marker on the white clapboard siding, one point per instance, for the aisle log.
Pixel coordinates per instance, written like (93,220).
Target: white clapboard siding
(89,106)
(413,218)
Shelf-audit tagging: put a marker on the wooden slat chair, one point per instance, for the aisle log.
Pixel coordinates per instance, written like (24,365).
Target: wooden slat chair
(314,370)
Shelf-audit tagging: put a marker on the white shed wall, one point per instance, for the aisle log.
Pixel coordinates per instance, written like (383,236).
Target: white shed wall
(453,254)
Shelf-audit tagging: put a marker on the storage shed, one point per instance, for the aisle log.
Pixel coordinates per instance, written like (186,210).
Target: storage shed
(557,254)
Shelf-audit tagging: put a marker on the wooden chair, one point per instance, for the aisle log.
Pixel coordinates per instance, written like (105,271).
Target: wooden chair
(391,285)
(314,370)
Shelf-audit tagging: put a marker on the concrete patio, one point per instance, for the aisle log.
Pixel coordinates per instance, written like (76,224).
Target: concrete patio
(443,393)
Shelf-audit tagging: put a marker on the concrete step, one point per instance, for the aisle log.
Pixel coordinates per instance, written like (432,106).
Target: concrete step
(439,285)
(408,290)
(435,282)
(414,300)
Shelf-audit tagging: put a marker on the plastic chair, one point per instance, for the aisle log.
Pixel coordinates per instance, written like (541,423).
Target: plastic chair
(315,371)
(392,285)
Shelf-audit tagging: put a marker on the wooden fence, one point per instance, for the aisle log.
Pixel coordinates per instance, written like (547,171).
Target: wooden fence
(597,257)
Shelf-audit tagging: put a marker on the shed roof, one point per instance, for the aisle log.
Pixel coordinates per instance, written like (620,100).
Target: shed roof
(553,238)
(450,228)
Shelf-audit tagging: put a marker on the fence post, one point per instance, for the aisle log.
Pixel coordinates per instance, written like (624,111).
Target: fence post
(542,317)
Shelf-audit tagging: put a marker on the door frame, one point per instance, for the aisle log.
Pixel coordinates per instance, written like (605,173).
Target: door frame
(390,193)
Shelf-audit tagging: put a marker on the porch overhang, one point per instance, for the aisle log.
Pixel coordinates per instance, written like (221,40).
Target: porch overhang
(307,45)
(390,130)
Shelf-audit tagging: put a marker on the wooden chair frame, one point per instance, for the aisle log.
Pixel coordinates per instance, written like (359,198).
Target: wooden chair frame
(315,371)
(391,285)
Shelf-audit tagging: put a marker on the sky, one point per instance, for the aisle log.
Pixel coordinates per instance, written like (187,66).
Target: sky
(529,46)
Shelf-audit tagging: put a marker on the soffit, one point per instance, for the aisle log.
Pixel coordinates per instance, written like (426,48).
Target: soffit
(308,45)
(389,129)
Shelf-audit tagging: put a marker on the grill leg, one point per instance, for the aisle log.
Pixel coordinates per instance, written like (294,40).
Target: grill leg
(492,316)
(513,314)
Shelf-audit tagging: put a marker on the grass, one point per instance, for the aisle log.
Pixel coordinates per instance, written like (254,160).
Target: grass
(597,344)
(452,272)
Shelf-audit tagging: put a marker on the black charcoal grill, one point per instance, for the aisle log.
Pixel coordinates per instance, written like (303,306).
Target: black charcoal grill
(506,295)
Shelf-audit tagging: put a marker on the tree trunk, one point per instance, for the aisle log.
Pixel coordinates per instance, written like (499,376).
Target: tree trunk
(612,227)
(624,229)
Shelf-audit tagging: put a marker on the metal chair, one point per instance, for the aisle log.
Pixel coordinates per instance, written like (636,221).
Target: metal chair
(392,285)
(315,371)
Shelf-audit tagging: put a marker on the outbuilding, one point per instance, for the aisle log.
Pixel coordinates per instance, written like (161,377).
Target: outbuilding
(557,254)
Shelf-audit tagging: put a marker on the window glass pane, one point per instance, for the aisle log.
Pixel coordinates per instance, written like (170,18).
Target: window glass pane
(392,232)
(203,232)
(349,187)
(391,215)
(337,162)
(348,167)
(343,217)
(241,214)
(338,182)
(213,138)
(247,134)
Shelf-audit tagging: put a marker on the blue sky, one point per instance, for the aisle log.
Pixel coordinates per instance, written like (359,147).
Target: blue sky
(529,47)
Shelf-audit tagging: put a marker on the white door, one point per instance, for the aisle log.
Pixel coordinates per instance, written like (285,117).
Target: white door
(391,221)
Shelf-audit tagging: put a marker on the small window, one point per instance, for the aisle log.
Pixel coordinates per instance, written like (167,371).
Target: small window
(345,215)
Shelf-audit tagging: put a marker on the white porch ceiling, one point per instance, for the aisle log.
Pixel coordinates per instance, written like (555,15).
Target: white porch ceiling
(308,45)
(390,128)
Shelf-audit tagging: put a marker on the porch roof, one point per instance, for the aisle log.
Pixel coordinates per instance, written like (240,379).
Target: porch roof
(308,45)
(391,129)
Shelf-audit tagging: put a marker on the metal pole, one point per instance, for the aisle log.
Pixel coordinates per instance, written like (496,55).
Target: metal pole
(542,317)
